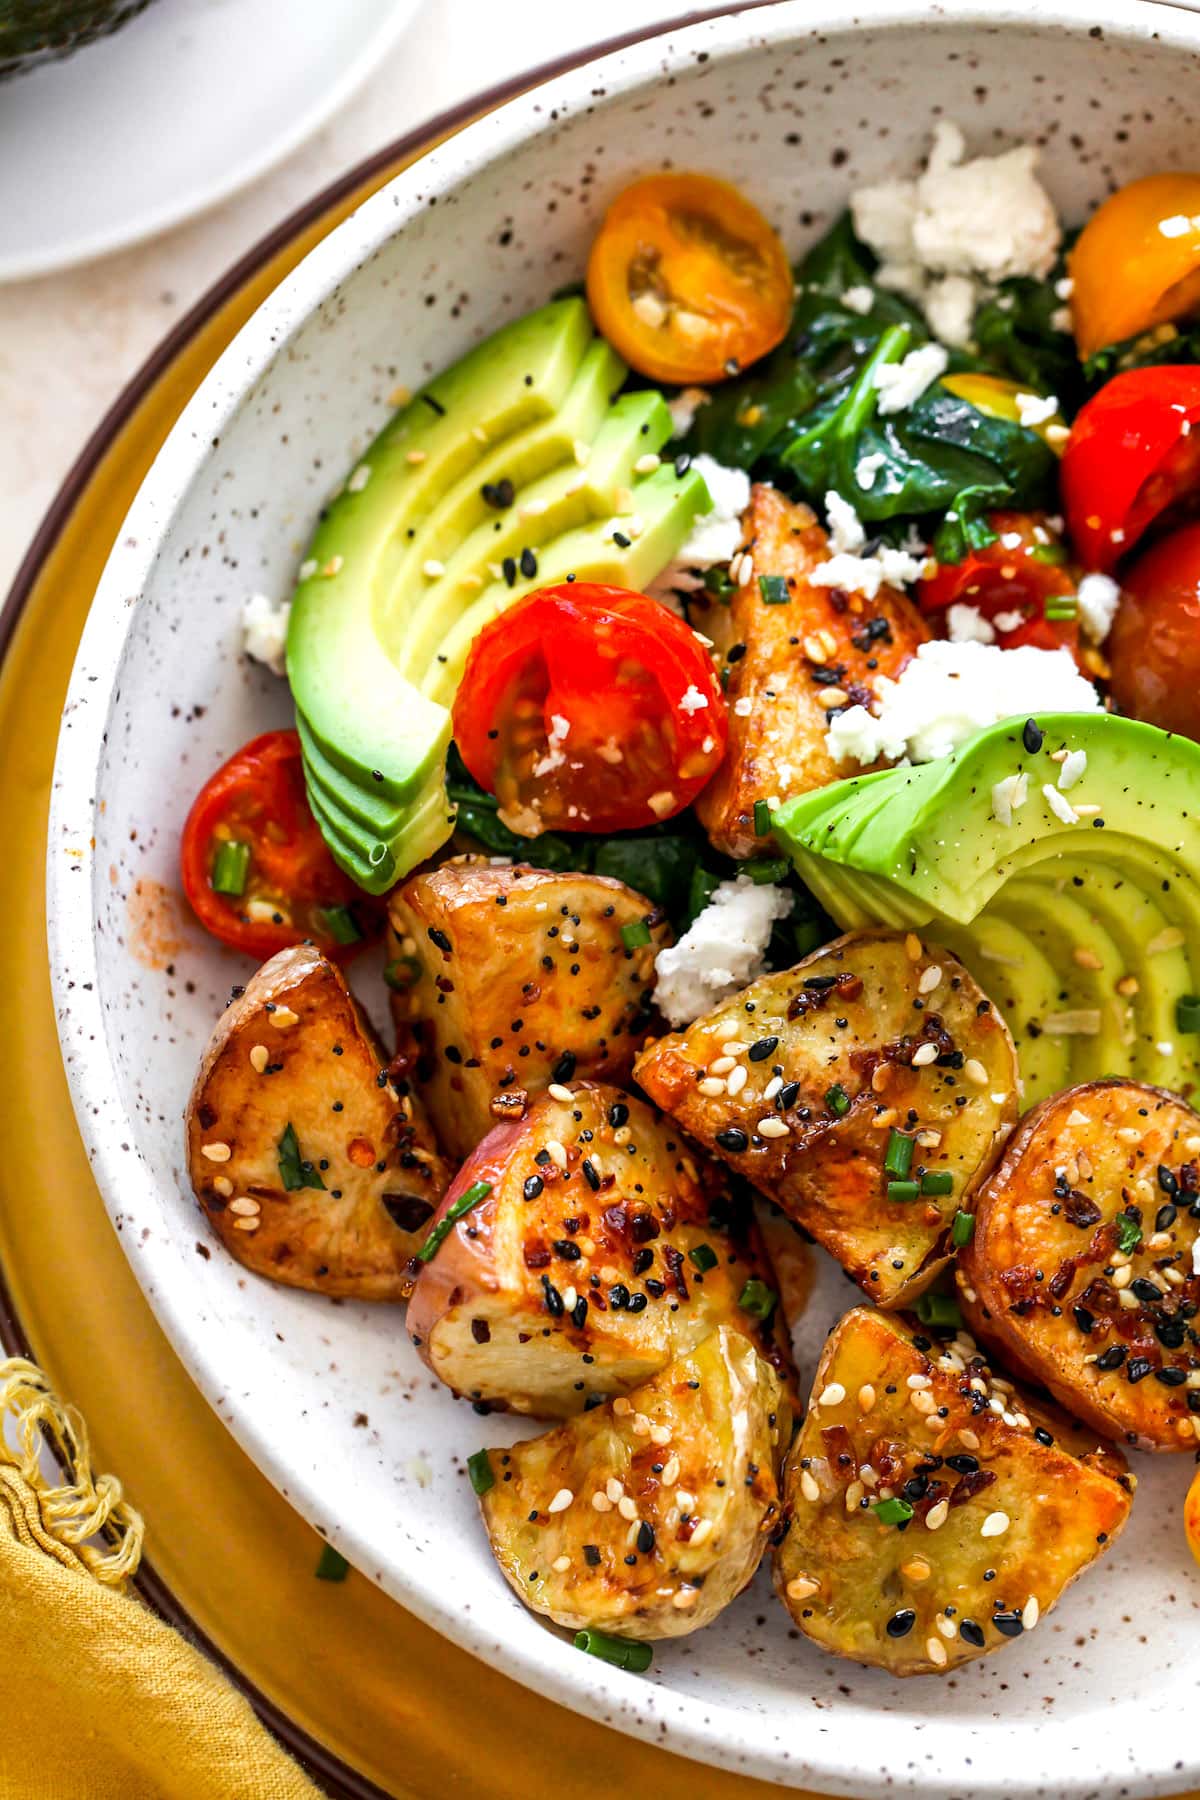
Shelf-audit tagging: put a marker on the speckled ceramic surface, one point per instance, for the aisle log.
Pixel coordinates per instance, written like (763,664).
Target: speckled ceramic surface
(796,104)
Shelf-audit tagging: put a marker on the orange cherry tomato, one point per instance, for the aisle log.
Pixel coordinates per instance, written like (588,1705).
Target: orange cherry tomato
(1154,645)
(1191,1517)
(1136,263)
(687,280)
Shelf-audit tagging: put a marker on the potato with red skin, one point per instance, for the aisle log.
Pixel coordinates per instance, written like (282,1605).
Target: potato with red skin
(876,1032)
(506,975)
(295,1049)
(1000,1509)
(695,1454)
(599,1253)
(789,657)
(1081,1269)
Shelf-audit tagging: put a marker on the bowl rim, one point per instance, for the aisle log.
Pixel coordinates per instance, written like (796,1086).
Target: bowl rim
(706,1730)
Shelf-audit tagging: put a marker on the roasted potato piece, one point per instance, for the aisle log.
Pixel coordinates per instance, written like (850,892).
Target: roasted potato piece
(516,978)
(646,1517)
(864,1091)
(310,1165)
(785,662)
(1082,1266)
(598,1255)
(935,1512)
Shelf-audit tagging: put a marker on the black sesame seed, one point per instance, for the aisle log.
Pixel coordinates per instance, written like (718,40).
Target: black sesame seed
(732,1138)
(963,1464)
(1171,1377)
(1165,1217)
(1138,1369)
(439,939)
(1112,1358)
(645,1537)
(1033,736)
(760,1051)
(618,1114)
(533,1187)
(1146,1291)
(971,1633)
(901,1623)
(590,1175)
(1009,1624)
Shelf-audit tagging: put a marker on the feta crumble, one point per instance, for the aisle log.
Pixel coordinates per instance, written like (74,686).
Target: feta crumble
(721,951)
(846,531)
(948,692)
(1035,409)
(967,625)
(859,299)
(693,701)
(1059,805)
(901,383)
(1099,596)
(867,468)
(1008,795)
(715,535)
(950,304)
(1074,768)
(264,631)
(683,408)
(865,575)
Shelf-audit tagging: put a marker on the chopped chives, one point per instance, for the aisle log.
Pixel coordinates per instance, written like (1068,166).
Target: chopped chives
(702,1257)
(621,1654)
(338,923)
(1061,606)
(231,865)
(892,1512)
(837,1100)
(764,869)
(937,1181)
(479,1468)
(402,972)
(897,1158)
(938,1309)
(774,589)
(757,1299)
(902,1190)
(963,1229)
(717,583)
(331,1565)
(1187,1013)
(1054,554)
(478,1190)
(635,935)
(762,818)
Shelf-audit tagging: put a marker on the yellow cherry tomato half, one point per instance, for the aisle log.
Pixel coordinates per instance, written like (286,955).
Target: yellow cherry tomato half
(1191,1516)
(1003,399)
(1136,263)
(687,280)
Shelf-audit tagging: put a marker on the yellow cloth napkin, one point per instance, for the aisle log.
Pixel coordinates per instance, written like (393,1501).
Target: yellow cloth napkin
(99,1700)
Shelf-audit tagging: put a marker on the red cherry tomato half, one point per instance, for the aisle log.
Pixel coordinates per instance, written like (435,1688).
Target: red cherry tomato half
(256,869)
(1131,454)
(1013,582)
(588,708)
(1154,645)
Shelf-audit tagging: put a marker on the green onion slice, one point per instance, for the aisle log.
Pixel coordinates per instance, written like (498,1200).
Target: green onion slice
(774,589)
(897,1158)
(479,1468)
(937,1181)
(702,1257)
(963,1229)
(938,1309)
(765,869)
(837,1100)
(1187,1013)
(892,1512)
(402,973)
(338,923)
(622,1655)
(231,865)
(478,1190)
(762,818)
(635,935)
(902,1190)
(331,1565)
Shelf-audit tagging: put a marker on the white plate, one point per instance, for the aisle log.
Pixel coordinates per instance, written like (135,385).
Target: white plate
(188,103)
(797,103)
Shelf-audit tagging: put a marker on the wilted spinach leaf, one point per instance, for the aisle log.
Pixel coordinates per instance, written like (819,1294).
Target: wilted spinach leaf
(1017,338)
(1165,344)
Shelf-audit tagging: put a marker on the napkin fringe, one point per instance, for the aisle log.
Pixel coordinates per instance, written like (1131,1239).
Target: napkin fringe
(82,1508)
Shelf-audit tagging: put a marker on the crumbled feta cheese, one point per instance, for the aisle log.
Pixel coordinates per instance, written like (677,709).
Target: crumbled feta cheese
(979,220)
(865,575)
(845,527)
(859,299)
(1099,596)
(867,468)
(715,536)
(1059,806)
(967,625)
(950,691)
(1064,287)
(1074,768)
(264,631)
(1036,409)
(1008,795)
(554,758)
(683,408)
(693,701)
(721,951)
(1008,621)
(1196,1256)
(743,706)
(901,383)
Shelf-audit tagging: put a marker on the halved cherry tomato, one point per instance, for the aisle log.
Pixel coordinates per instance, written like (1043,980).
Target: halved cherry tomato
(1191,1516)
(1012,581)
(1154,645)
(687,280)
(1136,263)
(255,866)
(1132,454)
(588,708)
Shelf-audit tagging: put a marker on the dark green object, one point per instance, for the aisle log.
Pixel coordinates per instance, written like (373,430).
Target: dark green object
(34,32)
(1017,338)
(635,935)
(294,1172)
(479,1468)
(1129,1233)
(963,1229)
(622,1655)
(892,1512)
(478,1190)
(757,1299)
(765,869)
(402,973)
(837,1100)
(937,1181)
(702,1257)
(1061,606)
(774,589)
(338,922)
(762,818)
(231,865)
(1187,1013)
(897,1158)
(902,1190)
(938,1309)
(331,1565)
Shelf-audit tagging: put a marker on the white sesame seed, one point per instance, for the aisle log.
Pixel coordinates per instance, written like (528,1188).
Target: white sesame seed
(646,465)
(1031,1612)
(660,1435)
(923,1055)
(415,456)
(801,1586)
(627,1507)
(245,1207)
(945,1626)
(702,1531)
(736,1081)
(283,1018)
(570,1299)
(968,1439)
(333,566)
(684,1598)
(935,1650)
(601,1502)
(670,1472)
(641,1425)
(919,1381)
(431,568)
(974,1071)
(722,1065)
(921,1401)
(772,1128)
(557,1091)
(556,1153)
(561,1501)
(260,1056)
(808,1486)
(937,1515)
(308,569)
(614,1489)
(995,1525)
(359,479)
(685,1501)
(561,1564)
(832,1395)
(854,1493)
(216,1152)
(746,573)
(866,1397)
(222,1185)
(711,1087)
(247,1224)
(773,1087)
(929,979)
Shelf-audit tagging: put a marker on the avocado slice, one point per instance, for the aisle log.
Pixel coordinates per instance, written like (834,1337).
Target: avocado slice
(521,456)
(1086,934)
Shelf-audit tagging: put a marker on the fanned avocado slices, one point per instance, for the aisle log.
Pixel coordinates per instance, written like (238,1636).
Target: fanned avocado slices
(520,465)
(1080,917)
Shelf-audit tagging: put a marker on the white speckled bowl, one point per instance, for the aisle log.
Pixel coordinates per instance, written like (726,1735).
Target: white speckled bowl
(796,103)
